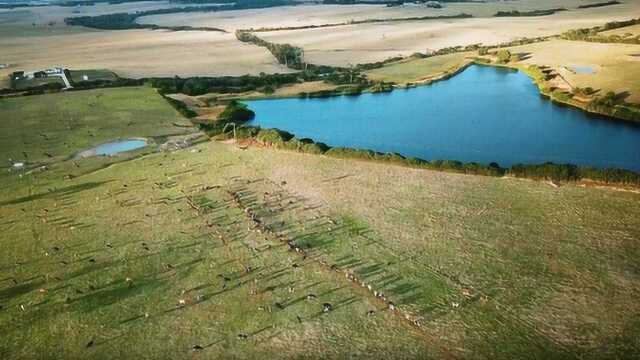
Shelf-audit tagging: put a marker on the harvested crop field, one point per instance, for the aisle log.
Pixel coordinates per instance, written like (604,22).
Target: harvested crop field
(305,15)
(49,20)
(375,42)
(141,53)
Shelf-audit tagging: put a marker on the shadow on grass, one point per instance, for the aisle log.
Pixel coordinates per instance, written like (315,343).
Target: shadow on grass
(62,191)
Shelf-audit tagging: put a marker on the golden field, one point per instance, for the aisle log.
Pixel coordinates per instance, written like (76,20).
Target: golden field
(140,53)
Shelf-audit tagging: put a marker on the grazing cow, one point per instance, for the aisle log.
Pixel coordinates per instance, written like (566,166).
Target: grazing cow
(311,297)
(326,307)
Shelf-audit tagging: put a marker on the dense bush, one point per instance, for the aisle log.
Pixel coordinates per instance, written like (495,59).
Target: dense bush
(236,112)
(549,171)
(273,136)
(288,55)
(223,84)
(503,56)
(610,176)
(568,172)
(613,104)
(96,84)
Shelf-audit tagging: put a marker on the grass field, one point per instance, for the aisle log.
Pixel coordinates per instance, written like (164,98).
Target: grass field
(416,70)
(46,128)
(149,257)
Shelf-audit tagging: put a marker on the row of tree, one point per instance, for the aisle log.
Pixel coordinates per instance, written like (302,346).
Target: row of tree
(287,55)
(517,13)
(223,84)
(120,21)
(614,105)
(356,22)
(594,34)
(547,171)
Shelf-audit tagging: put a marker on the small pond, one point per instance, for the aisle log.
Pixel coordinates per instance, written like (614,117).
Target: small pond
(580,69)
(484,114)
(115,147)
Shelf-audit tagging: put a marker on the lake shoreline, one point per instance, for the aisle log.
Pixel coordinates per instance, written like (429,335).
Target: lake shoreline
(468,168)
(446,76)
(549,96)
(351,123)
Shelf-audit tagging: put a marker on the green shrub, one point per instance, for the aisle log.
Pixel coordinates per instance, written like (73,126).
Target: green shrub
(561,95)
(503,56)
(236,112)
(247,132)
(549,171)
(273,136)
(314,148)
(391,157)
(610,176)
(349,153)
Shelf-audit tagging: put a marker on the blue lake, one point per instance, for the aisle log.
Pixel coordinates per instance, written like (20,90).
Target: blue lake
(484,115)
(116,147)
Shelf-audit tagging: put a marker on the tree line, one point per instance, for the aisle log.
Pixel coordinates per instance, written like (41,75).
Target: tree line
(516,13)
(356,22)
(546,171)
(593,34)
(121,21)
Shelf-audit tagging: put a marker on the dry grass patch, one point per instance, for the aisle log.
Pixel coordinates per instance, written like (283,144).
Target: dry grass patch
(615,66)
(374,42)
(141,53)
(49,20)
(304,15)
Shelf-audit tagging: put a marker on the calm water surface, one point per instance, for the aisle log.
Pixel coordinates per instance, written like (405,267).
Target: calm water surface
(116,147)
(483,114)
